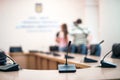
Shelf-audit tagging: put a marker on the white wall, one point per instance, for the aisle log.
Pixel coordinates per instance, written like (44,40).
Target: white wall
(109,23)
(13,12)
(91,18)
(103,18)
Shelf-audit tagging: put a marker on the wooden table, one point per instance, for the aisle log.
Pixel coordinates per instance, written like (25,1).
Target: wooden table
(81,74)
(90,73)
(46,61)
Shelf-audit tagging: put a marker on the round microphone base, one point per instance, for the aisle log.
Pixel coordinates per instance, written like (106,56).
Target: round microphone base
(66,68)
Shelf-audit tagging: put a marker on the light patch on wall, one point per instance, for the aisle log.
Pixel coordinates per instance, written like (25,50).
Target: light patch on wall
(38,24)
(38,7)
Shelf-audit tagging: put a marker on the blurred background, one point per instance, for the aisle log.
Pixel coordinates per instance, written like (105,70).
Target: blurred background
(33,24)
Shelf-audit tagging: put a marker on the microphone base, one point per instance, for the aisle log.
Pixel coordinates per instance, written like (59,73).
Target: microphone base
(88,60)
(107,65)
(9,67)
(55,54)
(66,68)
(69,57)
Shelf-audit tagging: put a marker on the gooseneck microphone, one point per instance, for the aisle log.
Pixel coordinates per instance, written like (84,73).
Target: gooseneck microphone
(65,68)
(101,42)
(107,64)
(89,60)
(7,66)
(67,52)
(66,55)
(106,55)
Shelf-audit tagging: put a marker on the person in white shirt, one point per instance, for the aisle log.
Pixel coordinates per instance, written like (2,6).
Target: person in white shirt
(79,33)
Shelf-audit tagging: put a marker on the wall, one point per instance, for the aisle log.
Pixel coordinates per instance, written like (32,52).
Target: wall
(109,23)
(14,12)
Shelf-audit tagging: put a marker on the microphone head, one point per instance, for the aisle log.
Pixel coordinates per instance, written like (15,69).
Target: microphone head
(69,43)
(101,42)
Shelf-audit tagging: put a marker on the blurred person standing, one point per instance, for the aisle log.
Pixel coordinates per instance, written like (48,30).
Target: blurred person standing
(62,38)
(80,35)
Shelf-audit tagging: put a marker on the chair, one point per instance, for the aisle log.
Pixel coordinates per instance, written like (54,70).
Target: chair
(73,48)
(116,51)
(82,49)
(54,48)
(95,49)
(16,49)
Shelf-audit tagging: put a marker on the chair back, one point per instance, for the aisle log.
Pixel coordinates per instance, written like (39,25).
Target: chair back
(16,49)
(95,49)
(82,49)
(53,48)
(116,50)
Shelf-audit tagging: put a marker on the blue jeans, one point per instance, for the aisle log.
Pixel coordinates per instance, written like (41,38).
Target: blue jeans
(73,48)
(82,49)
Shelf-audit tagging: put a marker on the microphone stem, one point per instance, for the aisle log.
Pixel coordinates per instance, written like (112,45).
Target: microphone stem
(106,55)
(67,52)
(11,59)
(66,57)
